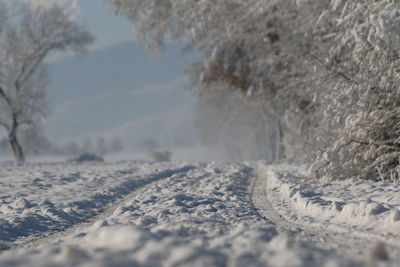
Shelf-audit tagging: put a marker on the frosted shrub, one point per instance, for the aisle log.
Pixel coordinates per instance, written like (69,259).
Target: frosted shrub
(86,157)
(362,109)
(161,156)
(364,135)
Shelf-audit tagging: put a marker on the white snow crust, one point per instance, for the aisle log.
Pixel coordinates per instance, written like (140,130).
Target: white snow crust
(177,214)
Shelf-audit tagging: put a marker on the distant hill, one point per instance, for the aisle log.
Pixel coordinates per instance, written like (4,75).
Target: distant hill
(119,68)
(119,93)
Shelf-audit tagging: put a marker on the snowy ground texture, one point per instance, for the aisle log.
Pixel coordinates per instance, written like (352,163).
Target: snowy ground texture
(197,214)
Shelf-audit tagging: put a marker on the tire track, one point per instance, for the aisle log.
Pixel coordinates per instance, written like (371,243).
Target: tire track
(344,241)
(50,237)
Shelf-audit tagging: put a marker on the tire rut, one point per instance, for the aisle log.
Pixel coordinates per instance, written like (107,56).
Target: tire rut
(342,241)
(48,237)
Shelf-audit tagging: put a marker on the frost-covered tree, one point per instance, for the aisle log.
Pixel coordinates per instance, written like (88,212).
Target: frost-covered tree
(323,74)
(247,46)
(29,34)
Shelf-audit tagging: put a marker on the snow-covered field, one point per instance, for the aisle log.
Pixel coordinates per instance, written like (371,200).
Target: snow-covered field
(133,213)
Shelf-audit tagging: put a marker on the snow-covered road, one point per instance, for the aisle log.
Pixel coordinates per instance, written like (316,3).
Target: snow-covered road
(202,214)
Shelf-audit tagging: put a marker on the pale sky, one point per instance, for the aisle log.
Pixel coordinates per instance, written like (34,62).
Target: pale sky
(108,28)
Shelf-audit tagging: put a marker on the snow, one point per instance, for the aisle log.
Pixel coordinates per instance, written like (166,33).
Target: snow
(133,213)
(369,208)
(42,197)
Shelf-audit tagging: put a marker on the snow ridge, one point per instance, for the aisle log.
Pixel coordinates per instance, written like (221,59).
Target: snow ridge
(360,208)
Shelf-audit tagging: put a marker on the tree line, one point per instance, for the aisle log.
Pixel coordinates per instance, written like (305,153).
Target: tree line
(319,78)
(312,81)
(36,143)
